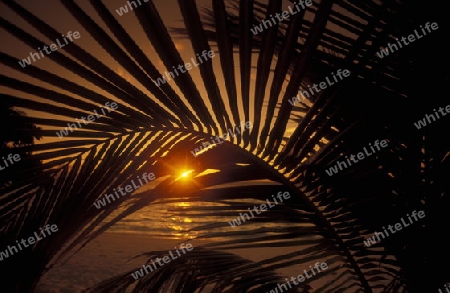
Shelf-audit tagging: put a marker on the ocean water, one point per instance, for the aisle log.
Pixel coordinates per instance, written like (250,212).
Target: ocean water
(176,219)
(164,220)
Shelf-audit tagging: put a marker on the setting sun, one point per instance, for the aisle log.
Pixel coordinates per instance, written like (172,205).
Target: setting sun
(185,174)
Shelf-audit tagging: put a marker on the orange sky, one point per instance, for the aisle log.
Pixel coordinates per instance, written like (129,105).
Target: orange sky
(57,16)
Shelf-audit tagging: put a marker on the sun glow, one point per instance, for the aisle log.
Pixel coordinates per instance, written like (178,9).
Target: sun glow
(186,174)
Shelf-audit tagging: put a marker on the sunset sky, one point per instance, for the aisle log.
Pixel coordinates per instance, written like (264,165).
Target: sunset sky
(59,18)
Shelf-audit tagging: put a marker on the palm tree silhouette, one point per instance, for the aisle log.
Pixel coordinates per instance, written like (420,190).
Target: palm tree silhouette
(252,77)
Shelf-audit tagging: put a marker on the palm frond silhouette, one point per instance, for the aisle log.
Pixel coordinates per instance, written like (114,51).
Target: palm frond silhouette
(251,78)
